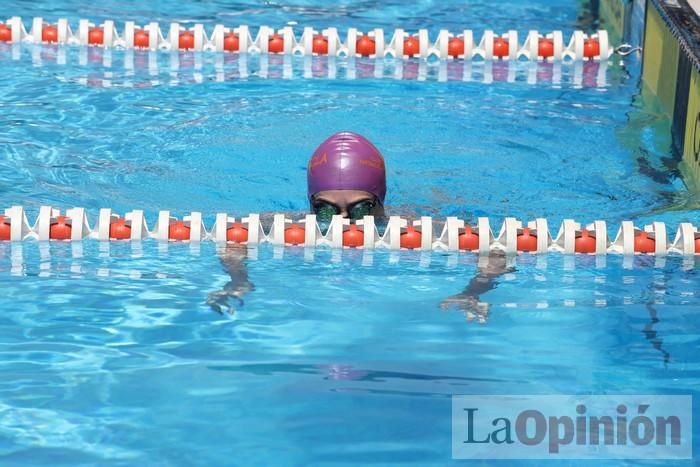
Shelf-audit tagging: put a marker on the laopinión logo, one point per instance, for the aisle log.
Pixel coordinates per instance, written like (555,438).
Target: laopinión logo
(572,427)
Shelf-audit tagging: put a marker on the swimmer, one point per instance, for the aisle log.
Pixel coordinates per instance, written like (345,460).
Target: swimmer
(346,176)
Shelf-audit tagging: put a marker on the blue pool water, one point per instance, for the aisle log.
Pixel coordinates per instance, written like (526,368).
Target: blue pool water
(110,353)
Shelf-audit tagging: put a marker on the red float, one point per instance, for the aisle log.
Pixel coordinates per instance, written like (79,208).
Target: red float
(186,40)
(353,237)
(5,229)
(411,238)
(591,48)
(119,230)
(365,46)
(178,231)
(141,39)
(276,44)
(584,243)
(60,229)
(697,244)
(468,240)
(96,36)
(231,43)
(237,233)
(545,48)
(527,241)
(294,235)
(5,33)
(455,48)
(319,45)
(500,48)
(411,46)
(644,244)
(49,34)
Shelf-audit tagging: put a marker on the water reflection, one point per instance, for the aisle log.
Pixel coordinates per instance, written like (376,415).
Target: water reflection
(132,68)
(536,285)
(69,259)
(653,336)
(490,271)
(344,373)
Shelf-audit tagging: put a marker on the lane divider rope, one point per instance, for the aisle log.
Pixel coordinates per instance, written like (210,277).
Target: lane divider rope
(374,43)
(400,233)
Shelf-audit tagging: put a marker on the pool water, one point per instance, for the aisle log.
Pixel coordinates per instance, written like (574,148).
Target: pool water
(112,355)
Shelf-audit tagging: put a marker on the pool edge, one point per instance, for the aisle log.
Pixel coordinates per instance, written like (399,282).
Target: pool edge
(671,71)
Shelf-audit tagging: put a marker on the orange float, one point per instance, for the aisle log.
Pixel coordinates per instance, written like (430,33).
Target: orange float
(275,44)
(644,244)
(5,33)
(365,46)
(411,46)
(411,238)
(186,40)
(294,235)
(49,34)
(468,240)
(60,229)
(237,233)
(584,243)
(178,231)
(119,230)
(5,229)
(455,48)
(545,48)
(527,241)
(231,42)
(353,237)
(141,39)
(500,48)
(96,36)
(319,45)
(591,48)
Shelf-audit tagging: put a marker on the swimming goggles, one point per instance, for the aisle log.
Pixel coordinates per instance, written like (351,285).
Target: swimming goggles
(325,211)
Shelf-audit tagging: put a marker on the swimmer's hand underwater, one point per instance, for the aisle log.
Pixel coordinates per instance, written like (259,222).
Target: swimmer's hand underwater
(220,301)
(232,258)
(471,306)
(485,280)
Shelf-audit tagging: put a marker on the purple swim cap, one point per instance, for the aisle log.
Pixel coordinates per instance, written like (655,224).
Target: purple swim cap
(347,161)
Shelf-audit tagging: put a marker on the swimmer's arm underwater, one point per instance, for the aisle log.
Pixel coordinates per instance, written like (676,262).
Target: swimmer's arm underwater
(233,260)
(485,279)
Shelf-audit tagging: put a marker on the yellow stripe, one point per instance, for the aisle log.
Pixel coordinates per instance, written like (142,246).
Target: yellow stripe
(690,167)
(660,59)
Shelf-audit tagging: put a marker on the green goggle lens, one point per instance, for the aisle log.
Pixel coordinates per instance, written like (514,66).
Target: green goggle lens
(325,211)
(361,209)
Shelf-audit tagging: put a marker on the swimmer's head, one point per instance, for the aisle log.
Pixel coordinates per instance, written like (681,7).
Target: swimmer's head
(349,162)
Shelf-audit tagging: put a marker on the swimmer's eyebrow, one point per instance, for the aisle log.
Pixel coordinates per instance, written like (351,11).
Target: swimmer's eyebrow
(321,198)
(361,198)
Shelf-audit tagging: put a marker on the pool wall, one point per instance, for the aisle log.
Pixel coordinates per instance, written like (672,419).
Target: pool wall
(671,71)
